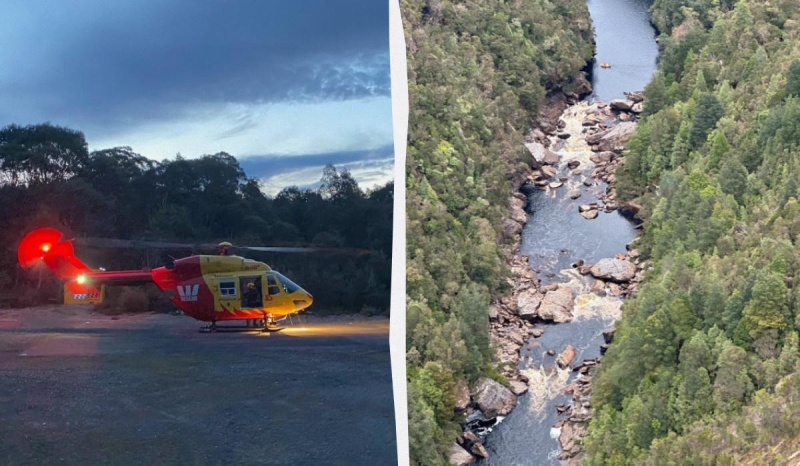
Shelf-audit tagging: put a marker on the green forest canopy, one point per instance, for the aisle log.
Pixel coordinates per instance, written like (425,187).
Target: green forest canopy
(704,366)
(48,177)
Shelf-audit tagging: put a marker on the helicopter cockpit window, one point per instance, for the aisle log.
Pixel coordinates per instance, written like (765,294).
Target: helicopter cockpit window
(272,285)
(227,288)
(288,285)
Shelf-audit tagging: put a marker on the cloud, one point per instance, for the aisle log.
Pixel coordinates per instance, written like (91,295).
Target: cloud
(289,78)
(370,168)
(124,63)
(262,129)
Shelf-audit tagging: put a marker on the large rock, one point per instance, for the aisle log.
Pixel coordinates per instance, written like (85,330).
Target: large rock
(528,303)
(459,456)
(551,158)
(619,104)
(635,96)
(566,357)
(518,210)
(518,387)
(549,172)
(613,269)
(541,154)
(613,138)
(602,157)
(493,399)
(479,450)
(557,305)
(462,396)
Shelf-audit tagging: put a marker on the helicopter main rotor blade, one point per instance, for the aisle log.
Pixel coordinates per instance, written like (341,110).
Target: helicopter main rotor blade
(131,244)
(348,251)
(145,244)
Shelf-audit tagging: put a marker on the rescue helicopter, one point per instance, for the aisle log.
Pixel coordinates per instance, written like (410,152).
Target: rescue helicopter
(209,288)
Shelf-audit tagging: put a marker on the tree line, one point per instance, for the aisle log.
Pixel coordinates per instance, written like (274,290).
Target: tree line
(48,177)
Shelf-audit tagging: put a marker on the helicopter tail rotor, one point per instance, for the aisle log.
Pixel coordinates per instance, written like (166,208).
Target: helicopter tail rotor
(47,246)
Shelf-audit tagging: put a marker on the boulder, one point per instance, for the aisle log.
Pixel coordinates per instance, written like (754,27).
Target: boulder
(538,135)
(589,214)
(602,157)
(527,303)
(621,105)
(566,356)
(537,332)
(574,194)
(518,387)
(637,107)
(570,437)
(540,152)
(557,305)
(470,437)
(493,399)
(462,396)
(479,450)
(459,456)
(556,184)
(518,210)
(551,158)
(635,97)
(613,269)
(613,138)
(549,171)
(608,335)
(573,164)
(515,336)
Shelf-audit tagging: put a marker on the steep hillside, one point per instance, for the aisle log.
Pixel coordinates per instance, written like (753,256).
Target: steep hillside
(479,72)
(716,165)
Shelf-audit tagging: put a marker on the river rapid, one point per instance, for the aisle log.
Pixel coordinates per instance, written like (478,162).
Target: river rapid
(556,236)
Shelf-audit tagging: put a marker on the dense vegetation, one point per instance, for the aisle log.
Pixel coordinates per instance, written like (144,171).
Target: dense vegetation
(478,72)
(48,177)
(691,377)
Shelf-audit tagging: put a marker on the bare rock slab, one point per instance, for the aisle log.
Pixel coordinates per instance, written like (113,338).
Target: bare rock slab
(557,305)
(528,303)
(493,399)
(459,456)
(616,270)
(566,356)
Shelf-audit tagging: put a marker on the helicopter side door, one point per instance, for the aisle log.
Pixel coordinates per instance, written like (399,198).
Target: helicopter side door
(252,292)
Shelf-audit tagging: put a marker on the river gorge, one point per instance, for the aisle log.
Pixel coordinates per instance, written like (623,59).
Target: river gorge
(571,223)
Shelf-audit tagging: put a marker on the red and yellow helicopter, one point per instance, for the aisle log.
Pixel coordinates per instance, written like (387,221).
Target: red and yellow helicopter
(210,288)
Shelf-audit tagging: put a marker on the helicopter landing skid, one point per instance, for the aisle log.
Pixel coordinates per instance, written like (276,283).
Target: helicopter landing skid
(272,329)
(213,328)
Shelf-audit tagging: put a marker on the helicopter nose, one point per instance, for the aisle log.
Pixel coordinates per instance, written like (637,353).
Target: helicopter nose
(302,299)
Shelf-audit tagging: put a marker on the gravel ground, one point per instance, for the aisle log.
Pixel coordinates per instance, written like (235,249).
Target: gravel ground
(81,388)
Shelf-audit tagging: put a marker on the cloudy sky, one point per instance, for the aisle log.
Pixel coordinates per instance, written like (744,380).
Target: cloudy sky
(285,86)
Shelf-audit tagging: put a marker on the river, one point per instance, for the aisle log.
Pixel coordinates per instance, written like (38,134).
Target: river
(556,236)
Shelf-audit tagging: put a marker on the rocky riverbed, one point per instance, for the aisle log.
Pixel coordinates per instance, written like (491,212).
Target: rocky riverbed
(576,152)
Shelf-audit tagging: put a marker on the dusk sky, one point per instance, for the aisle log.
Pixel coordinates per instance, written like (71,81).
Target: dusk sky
(285,86)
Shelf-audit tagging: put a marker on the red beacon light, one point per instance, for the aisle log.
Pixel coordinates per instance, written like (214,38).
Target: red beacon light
(45,247)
